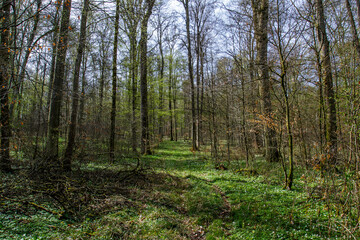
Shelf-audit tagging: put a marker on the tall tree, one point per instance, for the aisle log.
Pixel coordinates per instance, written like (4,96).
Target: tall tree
(260,18)
(145,138)
(114,76)
(191,73)
(331,126)
(5,50)
(52,146)
(75,94)
(53,53)
(161,21)
(131,15)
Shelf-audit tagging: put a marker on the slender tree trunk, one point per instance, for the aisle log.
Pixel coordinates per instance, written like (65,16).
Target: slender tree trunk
(290,176)
(101,92)
(170,95)
(82,106)
(358,10)
(53,56)
(353,28)
(133,71)
(331,135)
(161,82)
(197,50)
(191,75)
(57,93)
(243,108)
(213,120)
(261,15)
(114,72)
(322,117)
(5,164)
(201,137)
(40,113)
(174,97)
(145,141)
(75,95)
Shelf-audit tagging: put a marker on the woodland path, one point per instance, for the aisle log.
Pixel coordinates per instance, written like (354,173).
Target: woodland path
(177,194)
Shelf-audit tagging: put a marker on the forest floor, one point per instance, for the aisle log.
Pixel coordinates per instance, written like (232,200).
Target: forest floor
(174,194)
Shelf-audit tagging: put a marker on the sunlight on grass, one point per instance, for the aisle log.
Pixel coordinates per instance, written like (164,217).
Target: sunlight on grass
(188,199)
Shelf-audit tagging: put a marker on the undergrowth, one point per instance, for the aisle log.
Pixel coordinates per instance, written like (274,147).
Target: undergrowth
(174,194)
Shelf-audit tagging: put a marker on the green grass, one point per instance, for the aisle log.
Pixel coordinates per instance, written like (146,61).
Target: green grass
(182,196)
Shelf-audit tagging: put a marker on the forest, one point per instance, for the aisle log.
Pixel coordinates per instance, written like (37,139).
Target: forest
(179,119)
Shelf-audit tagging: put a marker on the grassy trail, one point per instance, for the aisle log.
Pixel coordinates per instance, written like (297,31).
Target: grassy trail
(256,207)
(180,196)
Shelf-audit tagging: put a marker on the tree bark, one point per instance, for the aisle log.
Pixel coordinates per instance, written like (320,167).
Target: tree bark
(170,94)
(353,28)
(75,95)
(358,10)
(261,16)
(57,93)
(53,56)
(191,74)
(5,164)
(331,126)
(161,80)
(114,73)
(134,68)
(145,141)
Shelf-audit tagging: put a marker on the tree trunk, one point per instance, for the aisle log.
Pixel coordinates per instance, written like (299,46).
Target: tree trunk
(170,95)
(134,68)
(331,127)
(353,28)
(82,106)
(57,93)
(114,72)
(358,10)
(75,95)
(145,141)
(5,164)
(191,74)
(174,107)
(290,176)
(261,15)
(161,82)
(53,56)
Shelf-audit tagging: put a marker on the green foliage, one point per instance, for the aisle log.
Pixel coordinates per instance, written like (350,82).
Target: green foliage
(182,197)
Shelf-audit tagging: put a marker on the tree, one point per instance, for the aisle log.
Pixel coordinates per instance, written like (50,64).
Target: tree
(5,50)
(260,18)
(191,74)
(331,126)
(353,27)
(57,92)
(75,95)
(114,76)
(131,12)
(285,40)
(145,141)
